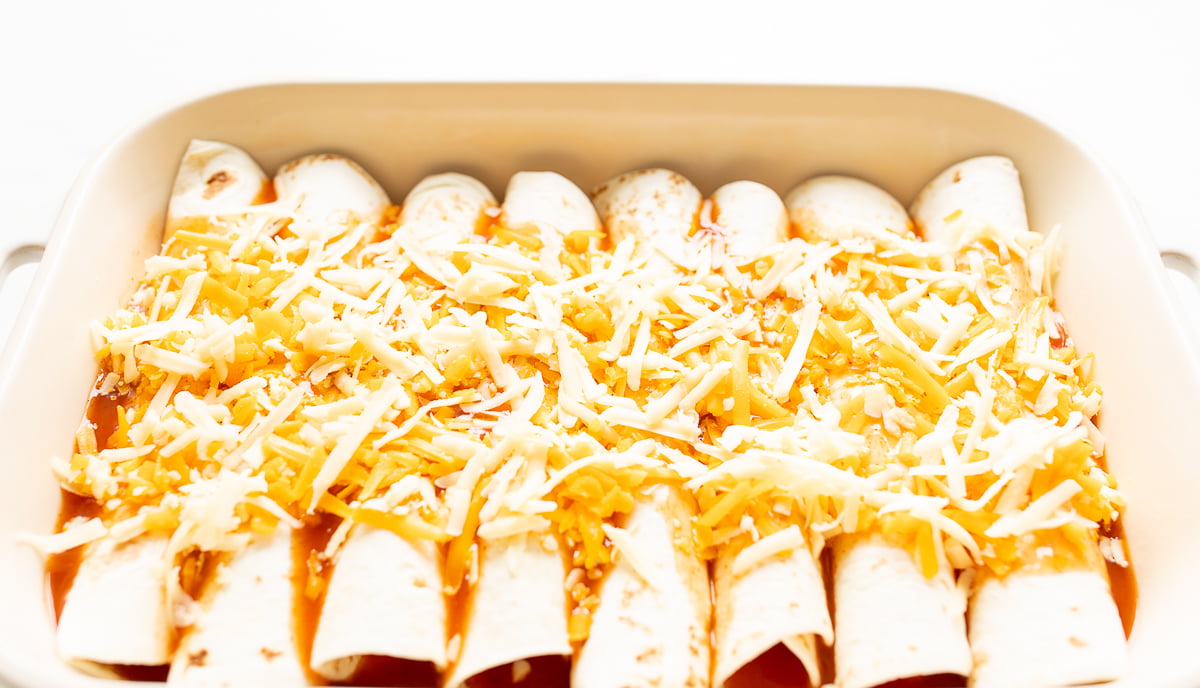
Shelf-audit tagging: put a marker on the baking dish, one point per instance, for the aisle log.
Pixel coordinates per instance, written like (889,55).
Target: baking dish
(1112,287)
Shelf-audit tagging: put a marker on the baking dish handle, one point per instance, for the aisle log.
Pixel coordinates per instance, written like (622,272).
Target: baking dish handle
(1183,269)
(19,258)
(20,245)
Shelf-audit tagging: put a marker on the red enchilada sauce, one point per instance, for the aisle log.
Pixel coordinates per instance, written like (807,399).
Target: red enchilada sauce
(936,681)
(1122,580)
(551,671)
(775,668)
(377,670)
(309,576)
(779,668)
(62,567)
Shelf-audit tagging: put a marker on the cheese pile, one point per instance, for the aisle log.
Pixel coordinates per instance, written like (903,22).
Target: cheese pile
(267,370)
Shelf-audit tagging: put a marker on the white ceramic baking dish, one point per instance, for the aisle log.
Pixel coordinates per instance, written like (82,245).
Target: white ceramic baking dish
(1112,287)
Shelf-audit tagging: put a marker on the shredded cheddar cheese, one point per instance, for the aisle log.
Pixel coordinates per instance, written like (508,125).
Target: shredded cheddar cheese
(525,382)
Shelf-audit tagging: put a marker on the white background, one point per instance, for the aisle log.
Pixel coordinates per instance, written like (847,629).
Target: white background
(1121,77)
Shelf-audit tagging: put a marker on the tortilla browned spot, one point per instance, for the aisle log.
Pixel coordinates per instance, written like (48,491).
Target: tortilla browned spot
(216,183)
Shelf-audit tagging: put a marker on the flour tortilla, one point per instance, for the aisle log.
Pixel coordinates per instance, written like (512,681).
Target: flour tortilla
(1033,628)
(518,607)
(215,179)
(781,600)
(656,631)
(659,206)
(385,593)
(242,634)
(973,193)
(833,207)
(752,217)
(548,199)
(444,209)
(384,598)
(651,626)
(892,622)
(123,581)
(327,187)
(127,579)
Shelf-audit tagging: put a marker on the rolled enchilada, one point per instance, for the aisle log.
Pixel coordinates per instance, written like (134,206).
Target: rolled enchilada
(384,601)
(778,600)
(515,629)
(239,629)
(1049,619)
(125,573)
(651,623)
(893,620)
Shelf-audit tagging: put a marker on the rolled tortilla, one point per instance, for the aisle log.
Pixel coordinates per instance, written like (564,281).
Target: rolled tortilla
(329,188)
(660,206)
(215,179)
(518,604)
(1032,626)
(892,622)
(979,196)
(549,199)
(444,209)
(974,194)
(752,216)
(651,626)
(127,580)
(832,207)
(117,581)
(242,631)
(518,607)
(1046,629)
(778,602)
(781,601)
(242,635)
(384,597)
(880,595)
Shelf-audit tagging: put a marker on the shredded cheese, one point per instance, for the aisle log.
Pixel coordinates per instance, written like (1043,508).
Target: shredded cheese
(779,542)
(454,387)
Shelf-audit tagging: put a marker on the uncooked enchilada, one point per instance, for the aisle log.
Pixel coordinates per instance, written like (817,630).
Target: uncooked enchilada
(690,385)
